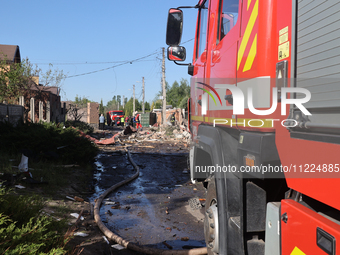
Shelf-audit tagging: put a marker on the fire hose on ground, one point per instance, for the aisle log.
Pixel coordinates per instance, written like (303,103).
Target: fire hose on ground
(129,245)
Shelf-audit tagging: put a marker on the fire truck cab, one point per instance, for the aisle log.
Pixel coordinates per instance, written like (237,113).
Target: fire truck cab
(265,121)
(114,116)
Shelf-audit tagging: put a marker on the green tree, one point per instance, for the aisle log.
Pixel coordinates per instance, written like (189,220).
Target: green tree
(51,77)
(172,96)
(14,79)
(112,104)
(177,95)
(158,104)
(184,94)
(76,108)
(20,79)
(81,102)
(147,106)
(17,79)
(119,100)
(101,107)
(128,110)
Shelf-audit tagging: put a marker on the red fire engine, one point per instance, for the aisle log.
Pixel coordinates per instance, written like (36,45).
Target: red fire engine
(114,116)
(265,121)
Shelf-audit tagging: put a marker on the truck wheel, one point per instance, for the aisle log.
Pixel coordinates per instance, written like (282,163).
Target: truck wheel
(211,220)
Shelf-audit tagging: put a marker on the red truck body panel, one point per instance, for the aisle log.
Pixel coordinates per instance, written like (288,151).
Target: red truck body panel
(299,233)
(248,51)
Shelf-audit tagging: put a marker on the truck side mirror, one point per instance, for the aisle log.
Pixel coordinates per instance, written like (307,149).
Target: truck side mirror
(176,53)
(174,27)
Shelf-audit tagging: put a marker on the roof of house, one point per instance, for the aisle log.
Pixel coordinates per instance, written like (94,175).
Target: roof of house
(10,52)
(52,89)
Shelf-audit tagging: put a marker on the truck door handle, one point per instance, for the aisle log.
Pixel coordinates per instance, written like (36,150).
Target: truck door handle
(203,57)
(215,56)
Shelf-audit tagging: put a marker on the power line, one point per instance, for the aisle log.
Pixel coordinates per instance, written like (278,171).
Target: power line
(188,41)
(123,63)
(90,63)
(79,63)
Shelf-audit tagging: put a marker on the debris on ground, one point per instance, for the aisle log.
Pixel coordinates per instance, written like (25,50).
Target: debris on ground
(71,198)
(129,130)
(76,215)
(161,133)
(101,141)
(167,245)
(80,234)
(22,174)
(195,203)
(177,137)
(105,239)
(118,247)
(110,203)
(169,139)
(79,199)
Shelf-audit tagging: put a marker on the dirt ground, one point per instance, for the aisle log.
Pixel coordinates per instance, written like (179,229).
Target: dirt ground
(94,242)
(74,202)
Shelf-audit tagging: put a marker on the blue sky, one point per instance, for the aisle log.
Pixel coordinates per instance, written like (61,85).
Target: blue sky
(85,36)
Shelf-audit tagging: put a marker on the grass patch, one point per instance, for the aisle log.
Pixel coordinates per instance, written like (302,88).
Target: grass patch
(60,210)
(24,227)
(53,178)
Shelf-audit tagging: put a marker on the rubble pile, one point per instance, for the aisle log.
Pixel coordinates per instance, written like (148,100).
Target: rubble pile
(168,139)
(182,133)
(158,134)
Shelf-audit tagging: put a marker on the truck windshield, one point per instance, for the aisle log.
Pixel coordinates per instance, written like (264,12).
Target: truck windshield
(115,113)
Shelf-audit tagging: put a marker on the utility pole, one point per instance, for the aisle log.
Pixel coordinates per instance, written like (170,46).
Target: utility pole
(133,100)
(164,91)
(143,107)
(123,103)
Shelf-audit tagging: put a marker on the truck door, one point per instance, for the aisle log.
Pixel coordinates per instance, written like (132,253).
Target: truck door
(222,60)
(215,57)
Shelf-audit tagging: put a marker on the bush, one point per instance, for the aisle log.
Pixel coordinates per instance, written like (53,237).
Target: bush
(23,228)
(82,126)
(46,142)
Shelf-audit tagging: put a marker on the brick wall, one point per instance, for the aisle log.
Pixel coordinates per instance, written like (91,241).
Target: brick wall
(178,116)
(92,113)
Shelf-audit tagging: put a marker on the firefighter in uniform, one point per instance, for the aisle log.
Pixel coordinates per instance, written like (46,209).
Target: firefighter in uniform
(173,119)
(138,121)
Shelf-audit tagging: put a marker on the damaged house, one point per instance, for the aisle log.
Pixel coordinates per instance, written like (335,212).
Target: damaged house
(40,103)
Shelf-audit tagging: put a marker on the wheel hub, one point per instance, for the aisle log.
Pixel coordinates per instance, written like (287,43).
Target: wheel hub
(211,228)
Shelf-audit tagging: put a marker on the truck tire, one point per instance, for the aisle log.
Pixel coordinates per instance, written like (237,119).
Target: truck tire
(211,219)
